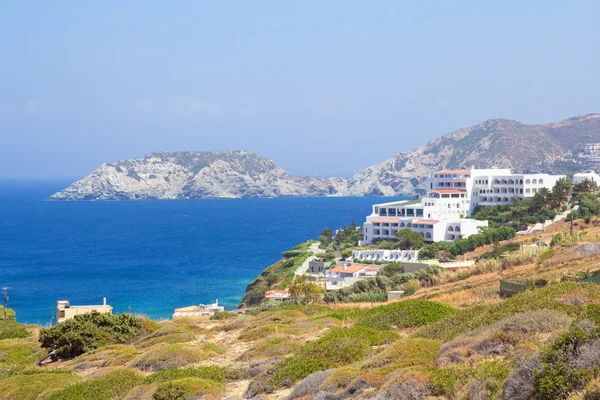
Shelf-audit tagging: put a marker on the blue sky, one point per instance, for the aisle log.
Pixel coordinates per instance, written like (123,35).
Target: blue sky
(321,87)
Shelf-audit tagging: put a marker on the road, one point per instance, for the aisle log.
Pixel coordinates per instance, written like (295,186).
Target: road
(314,248)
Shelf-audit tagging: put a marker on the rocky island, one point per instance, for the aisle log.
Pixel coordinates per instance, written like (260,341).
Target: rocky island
(501,143)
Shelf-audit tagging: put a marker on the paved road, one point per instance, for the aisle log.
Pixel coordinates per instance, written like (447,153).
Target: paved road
(314,248)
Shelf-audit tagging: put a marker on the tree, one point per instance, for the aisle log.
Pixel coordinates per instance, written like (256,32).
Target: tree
(540,199)
(392,268)
(408,239)
(87,332)
(586,186)
(428,252)
(561,192)
(306,292)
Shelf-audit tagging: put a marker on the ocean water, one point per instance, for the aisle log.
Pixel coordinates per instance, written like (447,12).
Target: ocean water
(149,257)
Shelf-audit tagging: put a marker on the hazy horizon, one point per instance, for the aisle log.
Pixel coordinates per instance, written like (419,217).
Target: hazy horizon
(322,88)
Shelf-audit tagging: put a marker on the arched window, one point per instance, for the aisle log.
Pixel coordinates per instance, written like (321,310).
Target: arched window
(408,225)
(457,229)
(540,181)
(534,181)
(527,181)
(428,235)
(457,205)
(402,224)
(451,229)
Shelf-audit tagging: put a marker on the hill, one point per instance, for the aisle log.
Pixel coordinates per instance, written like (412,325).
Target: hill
(190,174)
(502,143)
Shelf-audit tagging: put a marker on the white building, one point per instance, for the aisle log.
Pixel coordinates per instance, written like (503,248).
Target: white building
(345,275)
(65,311)
(582,176)
(201,310)
(385,255)
(451,196)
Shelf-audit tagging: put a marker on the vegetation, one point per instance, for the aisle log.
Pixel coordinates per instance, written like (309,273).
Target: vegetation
(87,332)
(111,385)
(375,289)
(188,388)
(405,314)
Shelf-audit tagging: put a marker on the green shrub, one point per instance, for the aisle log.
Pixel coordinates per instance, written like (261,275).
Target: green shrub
(31,386)
(336,348)
(112,385)
(87,332)
(475,317)
(405,314)
(405,353)
(213,373)
(272,346)
(545,256)
(10,329)
(18,355)
(10,313)
(109,356)
(169,356)
(221,315)
(347,314)
(188,388)
(167,334)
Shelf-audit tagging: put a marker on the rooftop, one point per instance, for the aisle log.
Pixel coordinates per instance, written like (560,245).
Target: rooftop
(425,222)
(399,203)
(350,269)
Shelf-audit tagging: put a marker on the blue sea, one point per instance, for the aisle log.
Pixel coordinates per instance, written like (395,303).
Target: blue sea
(148,257)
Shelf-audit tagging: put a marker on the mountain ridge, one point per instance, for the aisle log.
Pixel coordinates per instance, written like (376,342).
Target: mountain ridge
(500,142)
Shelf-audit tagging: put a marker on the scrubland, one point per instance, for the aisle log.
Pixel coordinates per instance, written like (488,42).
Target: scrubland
(455,339)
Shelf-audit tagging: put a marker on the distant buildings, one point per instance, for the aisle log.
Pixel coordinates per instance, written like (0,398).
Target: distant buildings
(451,196)
(384,255)
(199,311)
(582,176)
(65,311)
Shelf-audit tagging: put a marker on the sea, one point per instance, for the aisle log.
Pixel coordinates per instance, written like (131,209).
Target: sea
(148,257)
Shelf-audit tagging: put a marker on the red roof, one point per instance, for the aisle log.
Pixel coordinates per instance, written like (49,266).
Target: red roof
(350,269)
(386,220)
(425,222)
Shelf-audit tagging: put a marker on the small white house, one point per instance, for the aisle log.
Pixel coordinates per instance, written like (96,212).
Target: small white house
(345,275)
(582,176)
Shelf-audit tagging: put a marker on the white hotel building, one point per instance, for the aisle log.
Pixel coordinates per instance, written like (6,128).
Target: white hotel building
(452,195)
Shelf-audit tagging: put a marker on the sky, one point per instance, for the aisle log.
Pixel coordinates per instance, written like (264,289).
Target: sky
(324,88)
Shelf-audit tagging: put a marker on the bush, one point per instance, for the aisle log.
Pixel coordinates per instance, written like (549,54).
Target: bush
(336,348)
(405,314)
(17,355)
(188,388)
(31,386)
(10,329)
(479,316)
(213,373)
(112,385)
(272,346)
(87,332)
(168,334)
(168,356)
(221,315)
(405,353)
